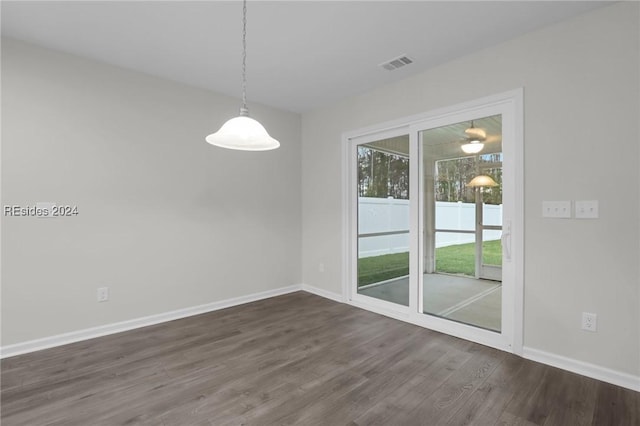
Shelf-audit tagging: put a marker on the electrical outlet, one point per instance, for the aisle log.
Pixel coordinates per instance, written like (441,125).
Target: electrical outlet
(589,322)
(321,267)
(103,294)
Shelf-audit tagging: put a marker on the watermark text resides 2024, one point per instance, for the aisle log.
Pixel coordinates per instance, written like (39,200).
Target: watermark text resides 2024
(40,210)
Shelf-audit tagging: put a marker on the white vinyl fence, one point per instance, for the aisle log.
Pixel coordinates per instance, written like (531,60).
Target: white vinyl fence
(382,215)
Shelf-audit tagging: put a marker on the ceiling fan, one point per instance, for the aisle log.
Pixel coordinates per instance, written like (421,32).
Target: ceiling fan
(473,142)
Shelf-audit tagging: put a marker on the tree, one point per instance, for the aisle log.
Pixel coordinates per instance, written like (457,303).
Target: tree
(382,175)
(452,177)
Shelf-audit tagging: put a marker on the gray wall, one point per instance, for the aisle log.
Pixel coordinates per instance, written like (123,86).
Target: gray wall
(166,221)
(581,82)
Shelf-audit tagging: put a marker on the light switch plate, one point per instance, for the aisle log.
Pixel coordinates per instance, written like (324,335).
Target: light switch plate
(556,209)
(587,209)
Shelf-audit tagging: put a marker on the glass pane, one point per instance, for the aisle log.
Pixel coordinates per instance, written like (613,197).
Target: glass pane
(462,262)
(383,220)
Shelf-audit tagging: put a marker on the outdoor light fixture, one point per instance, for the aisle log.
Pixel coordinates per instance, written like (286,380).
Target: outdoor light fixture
(472,147)
(243,132)
(482,180)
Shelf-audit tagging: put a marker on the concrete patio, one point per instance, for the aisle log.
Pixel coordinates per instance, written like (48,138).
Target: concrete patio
(463,299)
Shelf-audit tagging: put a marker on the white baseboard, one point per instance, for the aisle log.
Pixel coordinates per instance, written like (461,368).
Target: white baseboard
(103,330)
(336,297)
(618,378)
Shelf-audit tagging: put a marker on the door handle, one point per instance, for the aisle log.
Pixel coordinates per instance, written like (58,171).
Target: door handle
(506,241)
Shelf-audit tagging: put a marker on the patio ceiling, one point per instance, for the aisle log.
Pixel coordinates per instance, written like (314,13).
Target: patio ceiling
(445,142)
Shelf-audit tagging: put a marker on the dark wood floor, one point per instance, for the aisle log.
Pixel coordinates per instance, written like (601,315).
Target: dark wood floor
(298,359)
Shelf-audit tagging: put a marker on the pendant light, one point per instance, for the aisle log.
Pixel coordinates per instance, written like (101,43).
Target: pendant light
(243,132)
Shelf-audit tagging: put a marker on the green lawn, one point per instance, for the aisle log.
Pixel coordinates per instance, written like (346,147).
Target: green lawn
(457,259)
(379,268)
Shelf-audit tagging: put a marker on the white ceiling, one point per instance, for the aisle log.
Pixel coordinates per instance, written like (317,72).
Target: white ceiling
(301,54)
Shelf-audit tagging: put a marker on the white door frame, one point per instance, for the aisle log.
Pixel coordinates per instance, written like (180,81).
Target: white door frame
(510,106)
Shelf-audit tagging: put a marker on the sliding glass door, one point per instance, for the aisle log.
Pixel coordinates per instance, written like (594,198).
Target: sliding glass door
(434,205)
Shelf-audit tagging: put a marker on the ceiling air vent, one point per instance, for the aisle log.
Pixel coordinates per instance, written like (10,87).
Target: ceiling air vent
(396,63)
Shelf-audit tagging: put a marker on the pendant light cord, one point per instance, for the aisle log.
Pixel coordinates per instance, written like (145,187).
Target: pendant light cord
(244,110)
(243,133)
